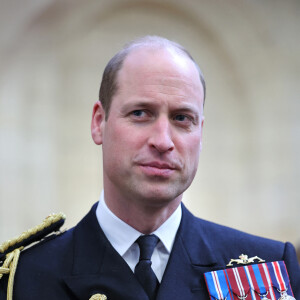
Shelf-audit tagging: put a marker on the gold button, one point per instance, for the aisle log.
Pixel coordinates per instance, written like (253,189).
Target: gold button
(98,297)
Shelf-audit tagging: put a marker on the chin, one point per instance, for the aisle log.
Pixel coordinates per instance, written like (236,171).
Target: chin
(157,193)
(157,197)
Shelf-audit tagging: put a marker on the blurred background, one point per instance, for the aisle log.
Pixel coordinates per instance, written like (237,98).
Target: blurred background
(52,55)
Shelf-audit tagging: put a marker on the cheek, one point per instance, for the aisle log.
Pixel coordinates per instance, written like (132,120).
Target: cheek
(122,141)
(111,146)
(192,151)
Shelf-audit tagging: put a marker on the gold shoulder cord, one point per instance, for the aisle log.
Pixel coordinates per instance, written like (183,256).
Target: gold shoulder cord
(11,259)
(9,267)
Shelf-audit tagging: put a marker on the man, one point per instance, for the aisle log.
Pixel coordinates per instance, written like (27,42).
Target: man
(149,121)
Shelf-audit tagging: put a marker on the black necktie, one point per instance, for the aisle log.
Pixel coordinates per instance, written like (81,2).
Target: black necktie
(143,270)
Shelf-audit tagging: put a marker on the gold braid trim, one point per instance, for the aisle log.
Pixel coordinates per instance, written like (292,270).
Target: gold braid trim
(46,223)
(11,261)
(10,266)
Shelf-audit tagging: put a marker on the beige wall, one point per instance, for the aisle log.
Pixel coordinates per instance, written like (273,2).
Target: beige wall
(52,54)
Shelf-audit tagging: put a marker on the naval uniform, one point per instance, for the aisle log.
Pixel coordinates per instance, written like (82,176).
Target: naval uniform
(82,262)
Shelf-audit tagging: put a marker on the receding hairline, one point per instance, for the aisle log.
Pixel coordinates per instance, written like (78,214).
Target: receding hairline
(153,42)
(109,84)
(158,43)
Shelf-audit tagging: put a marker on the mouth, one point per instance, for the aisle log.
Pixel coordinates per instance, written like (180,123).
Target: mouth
(157,169)
(159,165)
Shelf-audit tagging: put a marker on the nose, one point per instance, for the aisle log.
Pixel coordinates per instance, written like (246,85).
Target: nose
(161,137)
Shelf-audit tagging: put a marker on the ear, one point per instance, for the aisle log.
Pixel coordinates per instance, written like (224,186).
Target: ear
(98,122)
(202,123)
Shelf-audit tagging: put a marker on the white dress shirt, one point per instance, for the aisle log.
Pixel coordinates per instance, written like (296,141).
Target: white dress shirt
(123,237)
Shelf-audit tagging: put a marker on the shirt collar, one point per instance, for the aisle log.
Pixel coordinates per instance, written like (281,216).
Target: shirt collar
(167,231)
(119,233)
(122,236)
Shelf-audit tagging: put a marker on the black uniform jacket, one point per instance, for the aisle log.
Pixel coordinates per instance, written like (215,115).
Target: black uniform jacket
(81,262)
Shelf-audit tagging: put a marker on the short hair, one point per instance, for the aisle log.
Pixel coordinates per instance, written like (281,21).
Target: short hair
(109,84)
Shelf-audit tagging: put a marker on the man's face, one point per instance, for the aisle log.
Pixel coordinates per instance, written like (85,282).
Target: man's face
(152,138)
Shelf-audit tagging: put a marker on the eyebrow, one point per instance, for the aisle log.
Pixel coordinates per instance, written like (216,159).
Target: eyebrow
(138,104)
(186,106)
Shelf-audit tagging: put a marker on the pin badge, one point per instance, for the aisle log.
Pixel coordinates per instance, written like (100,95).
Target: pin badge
(244,259)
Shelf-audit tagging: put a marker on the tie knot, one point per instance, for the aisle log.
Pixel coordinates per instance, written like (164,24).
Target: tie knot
(147,244)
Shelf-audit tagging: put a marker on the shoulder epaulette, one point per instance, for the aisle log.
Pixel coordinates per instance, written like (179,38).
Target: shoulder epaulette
(11,249)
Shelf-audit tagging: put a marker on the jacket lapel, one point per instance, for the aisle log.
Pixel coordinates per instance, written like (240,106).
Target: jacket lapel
(97,267)
(190,258)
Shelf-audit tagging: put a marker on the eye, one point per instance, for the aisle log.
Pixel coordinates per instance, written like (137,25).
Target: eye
(138,113)
(185,120)
(181,118)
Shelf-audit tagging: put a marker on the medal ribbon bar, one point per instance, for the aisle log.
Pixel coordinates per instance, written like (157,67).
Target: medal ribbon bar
(265,281)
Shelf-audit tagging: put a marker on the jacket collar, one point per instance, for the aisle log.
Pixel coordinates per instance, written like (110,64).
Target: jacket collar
(196,240)
(191,257)
(98,268)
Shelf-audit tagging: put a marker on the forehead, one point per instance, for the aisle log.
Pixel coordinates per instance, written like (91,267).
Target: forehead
(161,69)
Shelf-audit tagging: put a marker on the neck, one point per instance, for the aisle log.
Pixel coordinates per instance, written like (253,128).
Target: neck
(144,216)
